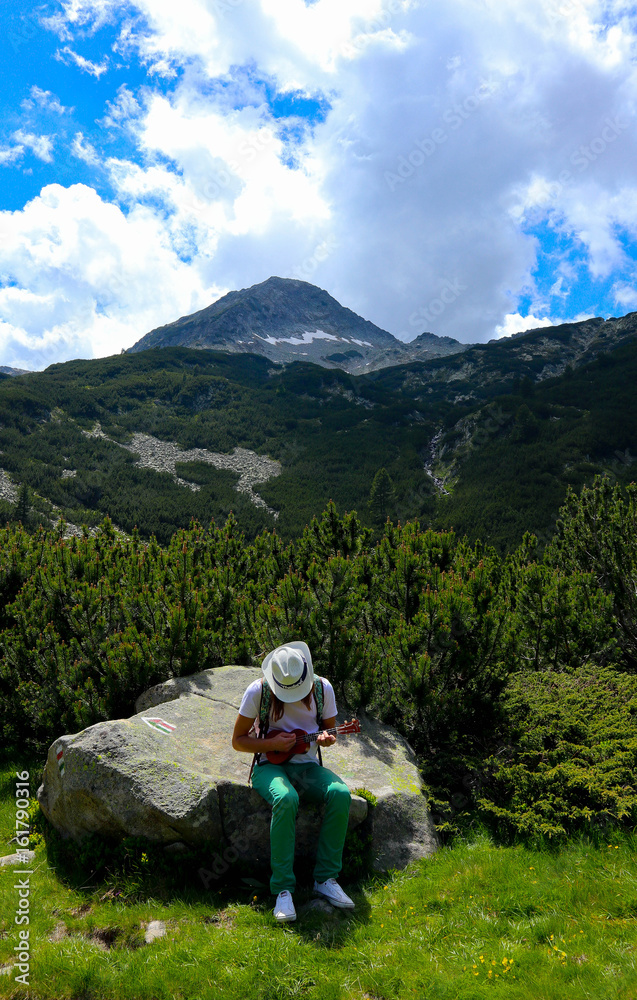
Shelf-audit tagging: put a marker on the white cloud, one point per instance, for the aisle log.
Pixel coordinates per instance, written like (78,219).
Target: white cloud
(84,150)
(123,110)
(514,323)
(84,279)
(224,188)
(45,100)
(40,145)
(90,15)
(68,57)
(10,155)
(298,45)
(625,296)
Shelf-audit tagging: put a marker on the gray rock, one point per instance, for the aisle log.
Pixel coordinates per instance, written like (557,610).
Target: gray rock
(156,929)
(24,858)
(320,906)
(178,847)
(170,773)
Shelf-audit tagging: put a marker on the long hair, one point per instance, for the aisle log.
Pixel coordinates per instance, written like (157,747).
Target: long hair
(277,707)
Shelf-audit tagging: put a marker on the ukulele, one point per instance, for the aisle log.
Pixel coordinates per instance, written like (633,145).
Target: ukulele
(303,740)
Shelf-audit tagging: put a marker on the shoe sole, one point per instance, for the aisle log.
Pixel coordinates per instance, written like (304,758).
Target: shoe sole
(285,920)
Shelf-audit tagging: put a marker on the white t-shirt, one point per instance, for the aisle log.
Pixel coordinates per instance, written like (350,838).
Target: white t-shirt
(295,716)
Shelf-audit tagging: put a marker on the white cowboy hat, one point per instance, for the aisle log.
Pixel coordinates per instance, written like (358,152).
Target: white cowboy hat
(288,671)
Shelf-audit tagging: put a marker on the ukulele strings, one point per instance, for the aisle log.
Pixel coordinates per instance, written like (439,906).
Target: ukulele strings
(308,737)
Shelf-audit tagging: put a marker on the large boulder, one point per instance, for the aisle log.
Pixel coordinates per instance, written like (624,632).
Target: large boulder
(169,773)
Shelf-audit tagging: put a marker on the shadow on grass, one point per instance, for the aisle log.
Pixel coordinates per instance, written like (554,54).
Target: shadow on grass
(135,870)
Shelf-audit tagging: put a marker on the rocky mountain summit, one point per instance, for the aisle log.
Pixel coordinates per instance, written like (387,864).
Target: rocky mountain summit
(285,320)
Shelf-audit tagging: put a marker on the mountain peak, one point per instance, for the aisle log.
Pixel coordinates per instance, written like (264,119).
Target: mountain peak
(286,319)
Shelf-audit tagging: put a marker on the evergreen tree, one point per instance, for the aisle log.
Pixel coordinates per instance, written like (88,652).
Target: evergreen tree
(22,504)
(526,426)
(596,534)
(382,496)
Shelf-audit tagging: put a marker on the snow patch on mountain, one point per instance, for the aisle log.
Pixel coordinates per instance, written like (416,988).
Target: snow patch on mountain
(307,338)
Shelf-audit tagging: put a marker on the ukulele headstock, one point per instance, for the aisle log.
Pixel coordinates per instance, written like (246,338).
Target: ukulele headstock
(350,727)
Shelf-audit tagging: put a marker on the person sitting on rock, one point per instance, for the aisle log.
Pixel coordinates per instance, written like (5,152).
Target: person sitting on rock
(288,685)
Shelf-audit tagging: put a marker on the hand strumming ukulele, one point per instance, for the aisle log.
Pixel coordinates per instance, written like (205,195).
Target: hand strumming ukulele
(303,740)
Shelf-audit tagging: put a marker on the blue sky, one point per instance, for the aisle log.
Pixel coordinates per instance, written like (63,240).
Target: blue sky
(155,155)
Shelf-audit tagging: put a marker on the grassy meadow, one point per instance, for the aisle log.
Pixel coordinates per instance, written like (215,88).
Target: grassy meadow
(542,924)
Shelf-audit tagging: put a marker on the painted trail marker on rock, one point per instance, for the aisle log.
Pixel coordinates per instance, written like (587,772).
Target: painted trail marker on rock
(160,724)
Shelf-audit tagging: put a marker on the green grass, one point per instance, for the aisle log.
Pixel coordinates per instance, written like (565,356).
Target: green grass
(474,919)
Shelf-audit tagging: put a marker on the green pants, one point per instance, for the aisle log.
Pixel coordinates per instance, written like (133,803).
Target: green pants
(281,785)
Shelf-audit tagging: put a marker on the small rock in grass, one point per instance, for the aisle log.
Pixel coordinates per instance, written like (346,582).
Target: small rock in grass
(25,857)
(177,847)
(156,929)
(319,906)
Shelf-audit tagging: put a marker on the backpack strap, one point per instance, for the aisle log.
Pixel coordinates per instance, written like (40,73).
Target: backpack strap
(264,709)
(264,721)
(319,698)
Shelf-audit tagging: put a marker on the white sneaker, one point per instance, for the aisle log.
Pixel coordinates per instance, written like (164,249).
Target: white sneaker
(333,892)
(284,907)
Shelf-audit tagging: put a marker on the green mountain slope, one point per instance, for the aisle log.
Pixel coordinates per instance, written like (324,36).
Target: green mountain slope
(507,464)
(329,431)
(109,436)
